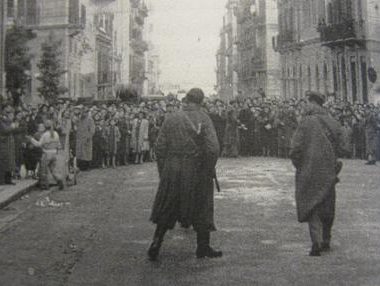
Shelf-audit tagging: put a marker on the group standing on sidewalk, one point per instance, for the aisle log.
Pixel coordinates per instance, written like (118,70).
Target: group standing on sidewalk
(112,134)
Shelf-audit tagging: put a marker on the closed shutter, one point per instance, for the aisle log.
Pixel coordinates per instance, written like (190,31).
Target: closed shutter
(74,12)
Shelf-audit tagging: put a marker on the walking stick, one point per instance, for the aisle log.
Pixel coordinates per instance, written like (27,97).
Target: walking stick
(216,182)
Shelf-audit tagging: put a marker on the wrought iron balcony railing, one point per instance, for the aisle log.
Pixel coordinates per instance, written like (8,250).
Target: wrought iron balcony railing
(350,30)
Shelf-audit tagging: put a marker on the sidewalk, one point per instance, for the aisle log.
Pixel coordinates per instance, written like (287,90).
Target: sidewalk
(10,193)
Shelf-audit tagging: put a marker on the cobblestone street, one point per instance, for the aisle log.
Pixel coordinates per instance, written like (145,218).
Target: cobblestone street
(98,232)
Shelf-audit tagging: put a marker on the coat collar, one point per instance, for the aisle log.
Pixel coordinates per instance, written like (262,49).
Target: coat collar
(316,110)
(191,108)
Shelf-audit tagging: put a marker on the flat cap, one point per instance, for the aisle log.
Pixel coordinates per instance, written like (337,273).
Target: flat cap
(316,97)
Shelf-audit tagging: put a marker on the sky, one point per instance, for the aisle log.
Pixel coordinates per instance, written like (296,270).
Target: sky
(186,36)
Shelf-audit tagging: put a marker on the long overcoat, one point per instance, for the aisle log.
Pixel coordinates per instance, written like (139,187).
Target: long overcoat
(85,132)
(7,155)
(187,152)
(140,135)
(314,157)
(231,141)
(370,134)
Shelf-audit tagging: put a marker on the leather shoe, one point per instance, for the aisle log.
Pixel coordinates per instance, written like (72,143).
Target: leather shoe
(315,250)
(209,252)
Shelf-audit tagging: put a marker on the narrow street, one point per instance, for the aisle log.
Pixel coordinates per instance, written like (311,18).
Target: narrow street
(98,232)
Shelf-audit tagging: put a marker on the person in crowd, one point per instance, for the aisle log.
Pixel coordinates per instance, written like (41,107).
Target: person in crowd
(244,116)
(8,128)
(347,137)
(64,126)
(231,142)
(140,137)
(187,152)
(113,140)
(315,148)
(99,143)
(50,145)
(84,134)
(219,121)
(153,135)
(370,123)
(125,132)
(20,144)
(33,153)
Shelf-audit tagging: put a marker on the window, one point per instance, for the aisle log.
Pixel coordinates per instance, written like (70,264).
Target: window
(11,8)
(31,12)
(21,9)
(83,15)
(354,80)
(74,12)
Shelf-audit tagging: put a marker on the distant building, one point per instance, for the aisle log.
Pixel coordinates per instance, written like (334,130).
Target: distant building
(3,10)
(94,38)
(332,46)
(227,56)
(259,71)
(152,63)
(138,46)
(247,65)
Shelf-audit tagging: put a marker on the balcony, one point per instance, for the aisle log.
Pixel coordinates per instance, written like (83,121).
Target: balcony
(285,41)
(345,33)
(258,60)
(139,46)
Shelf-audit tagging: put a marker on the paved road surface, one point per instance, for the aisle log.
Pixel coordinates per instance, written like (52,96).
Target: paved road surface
(98,232)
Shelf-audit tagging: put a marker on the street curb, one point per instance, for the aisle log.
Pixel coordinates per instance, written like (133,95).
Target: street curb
(15,196)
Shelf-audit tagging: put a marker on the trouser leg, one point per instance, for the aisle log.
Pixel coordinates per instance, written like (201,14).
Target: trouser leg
(203,246)
(316,233)
(43,172)
(316,228)
(58,177)
(327,216)
(158,238)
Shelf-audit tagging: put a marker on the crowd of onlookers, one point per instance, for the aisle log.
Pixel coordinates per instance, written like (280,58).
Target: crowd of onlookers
(109,135)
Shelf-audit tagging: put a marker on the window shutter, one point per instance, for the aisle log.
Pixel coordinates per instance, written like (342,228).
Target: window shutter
(74,12)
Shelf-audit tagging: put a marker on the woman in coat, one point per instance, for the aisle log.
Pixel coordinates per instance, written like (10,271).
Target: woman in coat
(140,137)
(85,132)
(231,142)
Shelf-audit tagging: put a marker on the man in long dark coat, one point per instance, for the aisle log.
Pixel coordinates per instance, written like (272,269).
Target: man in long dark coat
(187,152)
(370,125)
(7,149)
(315,148)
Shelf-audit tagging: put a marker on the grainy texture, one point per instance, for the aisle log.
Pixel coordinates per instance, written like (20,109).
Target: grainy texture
(103,236)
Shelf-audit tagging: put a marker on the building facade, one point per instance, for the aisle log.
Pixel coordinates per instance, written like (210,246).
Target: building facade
(138,46)
(94,37)
(331,46)
(152,59)
(247,65)
(227,56)
(259,72)
(3,10)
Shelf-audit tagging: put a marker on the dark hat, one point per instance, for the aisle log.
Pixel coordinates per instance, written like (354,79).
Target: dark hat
(195,95)
(316,97)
